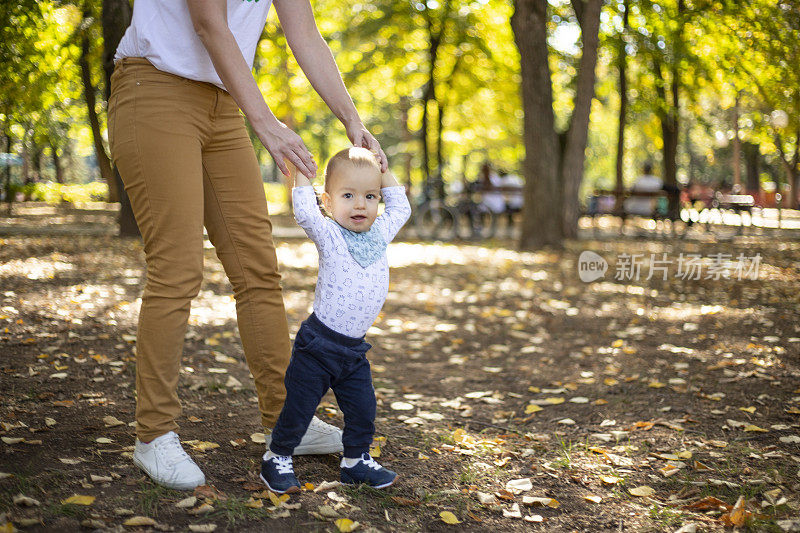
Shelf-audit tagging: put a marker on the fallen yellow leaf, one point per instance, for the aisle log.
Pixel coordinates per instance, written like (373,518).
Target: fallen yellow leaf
(375,451)
(643,491)
(449,518)
(554,400)
(738,516)
(139,521)
(697,465)
(593,499)
(540,501)
(202,446)
(276,500)
(345,525)
(750,410)
(253,503)
(79,500)
(752,427)
(531,408)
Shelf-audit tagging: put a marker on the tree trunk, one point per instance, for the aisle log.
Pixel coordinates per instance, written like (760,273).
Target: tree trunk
(751,165)
(116,17)
(790,167)
(26,160)
(439,130)
(36,160)
(9,195)
(574,155)
(622,59)
(434,40)
(428,96)
(669,132)
(404,108)
(794,174)
(103,161)
(56,163)
(542,220)
(737,149)
(668,117)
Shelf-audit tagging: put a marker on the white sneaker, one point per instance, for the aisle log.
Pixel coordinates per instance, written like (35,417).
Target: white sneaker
(320,438)
(165,461)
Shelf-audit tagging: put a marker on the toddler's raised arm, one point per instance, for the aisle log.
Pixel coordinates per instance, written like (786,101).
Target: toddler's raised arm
(398,210)
(306,210)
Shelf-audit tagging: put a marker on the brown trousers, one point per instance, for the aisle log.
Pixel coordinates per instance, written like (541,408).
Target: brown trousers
(185,157)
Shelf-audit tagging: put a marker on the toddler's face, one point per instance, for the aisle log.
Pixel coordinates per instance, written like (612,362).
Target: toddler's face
(353,195)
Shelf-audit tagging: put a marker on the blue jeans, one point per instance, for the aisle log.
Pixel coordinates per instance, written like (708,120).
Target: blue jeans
(324,359)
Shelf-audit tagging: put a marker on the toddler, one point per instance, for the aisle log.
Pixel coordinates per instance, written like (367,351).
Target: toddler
(329,349)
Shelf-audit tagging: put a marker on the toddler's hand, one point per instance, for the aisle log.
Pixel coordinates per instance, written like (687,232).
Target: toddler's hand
(388,179)
(298,179)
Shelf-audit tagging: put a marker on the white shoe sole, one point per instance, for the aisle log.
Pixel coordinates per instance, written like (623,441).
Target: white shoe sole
(318,449)
(387,484)
(375,486)
(176,486)
(291,490)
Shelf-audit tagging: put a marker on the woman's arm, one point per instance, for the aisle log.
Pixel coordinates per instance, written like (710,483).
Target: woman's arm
(210,20)
(315,58)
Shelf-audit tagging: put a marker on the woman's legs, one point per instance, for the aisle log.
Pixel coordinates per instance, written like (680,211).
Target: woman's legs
(239,228)
(156,144)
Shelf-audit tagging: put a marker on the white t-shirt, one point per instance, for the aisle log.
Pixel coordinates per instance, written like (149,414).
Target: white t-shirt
(515,199)
(494,200)
(349,297)
(644,206)
(162,32)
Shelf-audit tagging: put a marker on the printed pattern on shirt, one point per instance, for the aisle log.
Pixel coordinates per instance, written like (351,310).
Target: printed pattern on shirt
(348,297)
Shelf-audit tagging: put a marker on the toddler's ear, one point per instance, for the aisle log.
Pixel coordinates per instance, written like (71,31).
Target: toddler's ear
(326,201)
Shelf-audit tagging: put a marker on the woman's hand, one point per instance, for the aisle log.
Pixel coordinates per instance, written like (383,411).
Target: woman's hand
(362,138)
(284,144)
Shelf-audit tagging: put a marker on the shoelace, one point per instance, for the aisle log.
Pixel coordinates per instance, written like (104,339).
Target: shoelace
(370,462)
(321,426)
(171,450)
(284,464)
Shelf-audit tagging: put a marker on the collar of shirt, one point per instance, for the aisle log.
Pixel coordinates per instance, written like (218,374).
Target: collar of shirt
(366,247)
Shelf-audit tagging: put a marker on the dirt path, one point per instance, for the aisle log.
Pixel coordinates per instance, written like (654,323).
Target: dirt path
(490,366)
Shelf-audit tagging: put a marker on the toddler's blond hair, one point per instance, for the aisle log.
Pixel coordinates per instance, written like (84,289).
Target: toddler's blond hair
(358,157)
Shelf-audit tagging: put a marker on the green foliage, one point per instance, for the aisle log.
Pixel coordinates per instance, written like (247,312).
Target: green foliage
(718,49)
(74,193)
(97,191)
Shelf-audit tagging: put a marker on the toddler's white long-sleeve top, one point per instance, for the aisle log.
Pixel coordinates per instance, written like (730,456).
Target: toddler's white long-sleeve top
(348,296)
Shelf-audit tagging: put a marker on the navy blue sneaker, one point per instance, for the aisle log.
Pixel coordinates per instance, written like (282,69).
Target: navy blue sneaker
(368,471)
(278,474)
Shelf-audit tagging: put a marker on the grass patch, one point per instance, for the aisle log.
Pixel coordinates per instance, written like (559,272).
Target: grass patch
(150,496)
(234,510)
(365,493)
(669,518)
(19,483)
(78,512)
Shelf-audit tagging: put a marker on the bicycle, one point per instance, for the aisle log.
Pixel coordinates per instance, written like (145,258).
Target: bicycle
(474,220)
(432,218)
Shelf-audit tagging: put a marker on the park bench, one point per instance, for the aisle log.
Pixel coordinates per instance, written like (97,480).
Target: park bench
(612,202)
(737,203)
